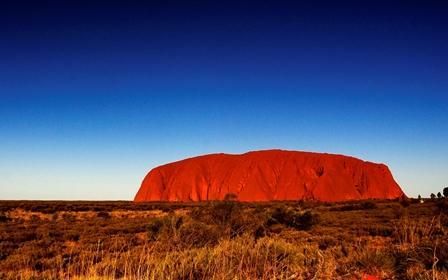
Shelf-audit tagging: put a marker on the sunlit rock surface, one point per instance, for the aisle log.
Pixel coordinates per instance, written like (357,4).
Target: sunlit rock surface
(268,176)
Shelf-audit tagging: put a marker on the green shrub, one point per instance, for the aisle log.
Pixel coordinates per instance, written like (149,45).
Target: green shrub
(154,227)
(165,226)
(291,218)
(222,213)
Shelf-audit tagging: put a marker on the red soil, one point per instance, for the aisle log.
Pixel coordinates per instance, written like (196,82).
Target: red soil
(269,175)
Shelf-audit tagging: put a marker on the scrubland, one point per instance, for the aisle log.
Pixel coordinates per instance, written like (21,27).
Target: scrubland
(224,240)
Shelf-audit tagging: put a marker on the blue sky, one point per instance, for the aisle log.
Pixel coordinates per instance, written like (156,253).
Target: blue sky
(94,96)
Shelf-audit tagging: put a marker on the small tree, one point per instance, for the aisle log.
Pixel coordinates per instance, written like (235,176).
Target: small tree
(419,197)
(230,197)
(445,192)
(433,196)
(439,195)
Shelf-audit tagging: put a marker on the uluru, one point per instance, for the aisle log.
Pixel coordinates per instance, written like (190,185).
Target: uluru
(270,175)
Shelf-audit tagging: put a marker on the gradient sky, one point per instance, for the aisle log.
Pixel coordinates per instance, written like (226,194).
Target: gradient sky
(94,94)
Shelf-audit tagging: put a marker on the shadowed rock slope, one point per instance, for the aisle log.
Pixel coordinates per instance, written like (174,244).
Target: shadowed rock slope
(269,175)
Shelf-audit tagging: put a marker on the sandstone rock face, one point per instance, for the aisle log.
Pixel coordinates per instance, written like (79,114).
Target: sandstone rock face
(268,176)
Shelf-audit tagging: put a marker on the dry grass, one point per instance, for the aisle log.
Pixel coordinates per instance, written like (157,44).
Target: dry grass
(284,240)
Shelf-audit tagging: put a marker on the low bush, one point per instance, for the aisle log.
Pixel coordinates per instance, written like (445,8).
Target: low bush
(4,218)
(223,213)
(164,227)
(380,230)
(365,205)
(431,254)
(291,218)
(327,242)
(405,202)
(369,204)
(376,262)
(6,248)
(442,205)
(198,234)
(103,215)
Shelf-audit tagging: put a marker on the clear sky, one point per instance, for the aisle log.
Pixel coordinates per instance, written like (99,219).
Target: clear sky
(94,94)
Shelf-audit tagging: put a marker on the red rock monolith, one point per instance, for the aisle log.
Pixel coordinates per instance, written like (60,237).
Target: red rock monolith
(269,176)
